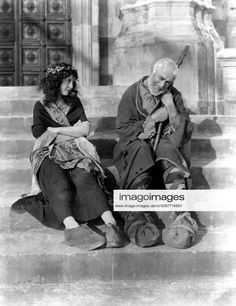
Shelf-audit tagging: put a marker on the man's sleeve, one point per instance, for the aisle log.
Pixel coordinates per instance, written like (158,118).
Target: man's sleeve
(127,123)
(178,100)
(184,131)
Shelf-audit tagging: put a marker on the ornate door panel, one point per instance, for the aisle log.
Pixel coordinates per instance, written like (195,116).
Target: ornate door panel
(43,36)
(7,43)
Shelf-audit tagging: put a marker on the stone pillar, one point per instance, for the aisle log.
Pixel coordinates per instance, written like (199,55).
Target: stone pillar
(209,9)
(220,18)
(153,29)
(231,24)
(216,88)
(213,44)
(227,58)
(85,40)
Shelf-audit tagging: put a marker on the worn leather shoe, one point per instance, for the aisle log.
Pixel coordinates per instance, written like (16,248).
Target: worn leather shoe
(84,238)
(143,234)
(24,204)
(114,237)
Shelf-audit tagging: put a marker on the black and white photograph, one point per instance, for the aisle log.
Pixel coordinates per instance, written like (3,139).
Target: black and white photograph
(117,152)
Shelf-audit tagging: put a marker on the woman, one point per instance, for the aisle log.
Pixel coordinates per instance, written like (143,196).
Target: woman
(66,165)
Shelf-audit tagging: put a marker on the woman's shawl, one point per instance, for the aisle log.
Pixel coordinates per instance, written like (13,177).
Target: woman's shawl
(76,152)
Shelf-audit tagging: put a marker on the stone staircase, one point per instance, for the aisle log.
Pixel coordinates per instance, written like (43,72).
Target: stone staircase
(32,255)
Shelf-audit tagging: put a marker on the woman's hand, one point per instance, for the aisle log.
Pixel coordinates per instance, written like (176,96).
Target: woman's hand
(80,129)
(53,130)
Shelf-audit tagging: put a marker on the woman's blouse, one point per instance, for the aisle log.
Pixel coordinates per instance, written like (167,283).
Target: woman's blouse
(42,120)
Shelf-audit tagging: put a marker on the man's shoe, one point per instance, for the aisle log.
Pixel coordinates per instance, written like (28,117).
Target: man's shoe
(143,234)
(141,229)
(84,238)
(114,237)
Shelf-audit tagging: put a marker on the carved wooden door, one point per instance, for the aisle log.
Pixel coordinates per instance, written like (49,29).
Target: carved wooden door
(33,34)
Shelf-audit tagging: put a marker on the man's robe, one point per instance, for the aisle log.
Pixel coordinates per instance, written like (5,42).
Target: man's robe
(133,156)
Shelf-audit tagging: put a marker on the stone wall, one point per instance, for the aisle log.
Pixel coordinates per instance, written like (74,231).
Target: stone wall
(227,60)
(153,29)
(224,19)
(109,28)
(85,40)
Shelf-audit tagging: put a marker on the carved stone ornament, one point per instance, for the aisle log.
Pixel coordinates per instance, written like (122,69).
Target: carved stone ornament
(30,6)
(55,56)
(55,6)
(6,6)
(30,31)
(31,57)
(56,32)
(6,57)
(6,80)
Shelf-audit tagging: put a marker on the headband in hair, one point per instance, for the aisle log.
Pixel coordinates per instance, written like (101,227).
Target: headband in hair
(58,68)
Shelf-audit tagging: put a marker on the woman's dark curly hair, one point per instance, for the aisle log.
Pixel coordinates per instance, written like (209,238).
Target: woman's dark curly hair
(52,79)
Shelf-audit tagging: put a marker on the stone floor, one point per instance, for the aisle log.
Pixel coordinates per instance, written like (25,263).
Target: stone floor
(193,292)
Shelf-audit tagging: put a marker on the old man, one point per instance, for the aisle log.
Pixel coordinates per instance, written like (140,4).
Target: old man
(149,105)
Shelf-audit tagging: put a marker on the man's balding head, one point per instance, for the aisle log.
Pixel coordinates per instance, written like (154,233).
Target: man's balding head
(166,66)
(163,74)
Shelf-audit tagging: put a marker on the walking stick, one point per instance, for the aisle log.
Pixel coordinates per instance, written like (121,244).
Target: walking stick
(178,63)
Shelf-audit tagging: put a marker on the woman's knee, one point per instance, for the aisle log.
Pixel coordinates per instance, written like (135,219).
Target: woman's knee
(51,175)
(62,197)
(83,178)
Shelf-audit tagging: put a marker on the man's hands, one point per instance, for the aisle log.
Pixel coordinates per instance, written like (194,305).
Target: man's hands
(167,98)
(167,111)
(160,115)
(148,128)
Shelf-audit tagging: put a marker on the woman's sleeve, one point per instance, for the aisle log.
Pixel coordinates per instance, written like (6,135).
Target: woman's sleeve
(39,126)
(83,116)
(77,115)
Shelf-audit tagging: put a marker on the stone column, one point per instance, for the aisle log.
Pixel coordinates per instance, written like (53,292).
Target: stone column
(227,58)
(208,12)
(156,28)
(216,89)
(231,24)
(85,40)
(213,43)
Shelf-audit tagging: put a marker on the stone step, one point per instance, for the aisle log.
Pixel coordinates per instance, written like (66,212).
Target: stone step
(15,125)
(202,124)
(207,174)
(207,146)
(20,146)
(100,101)
(97,100)
(213,174)
(16,146)
(197,291)
(211,147)
(213,124)
(12,221)
(21,125)
(16,180)
(42,257)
